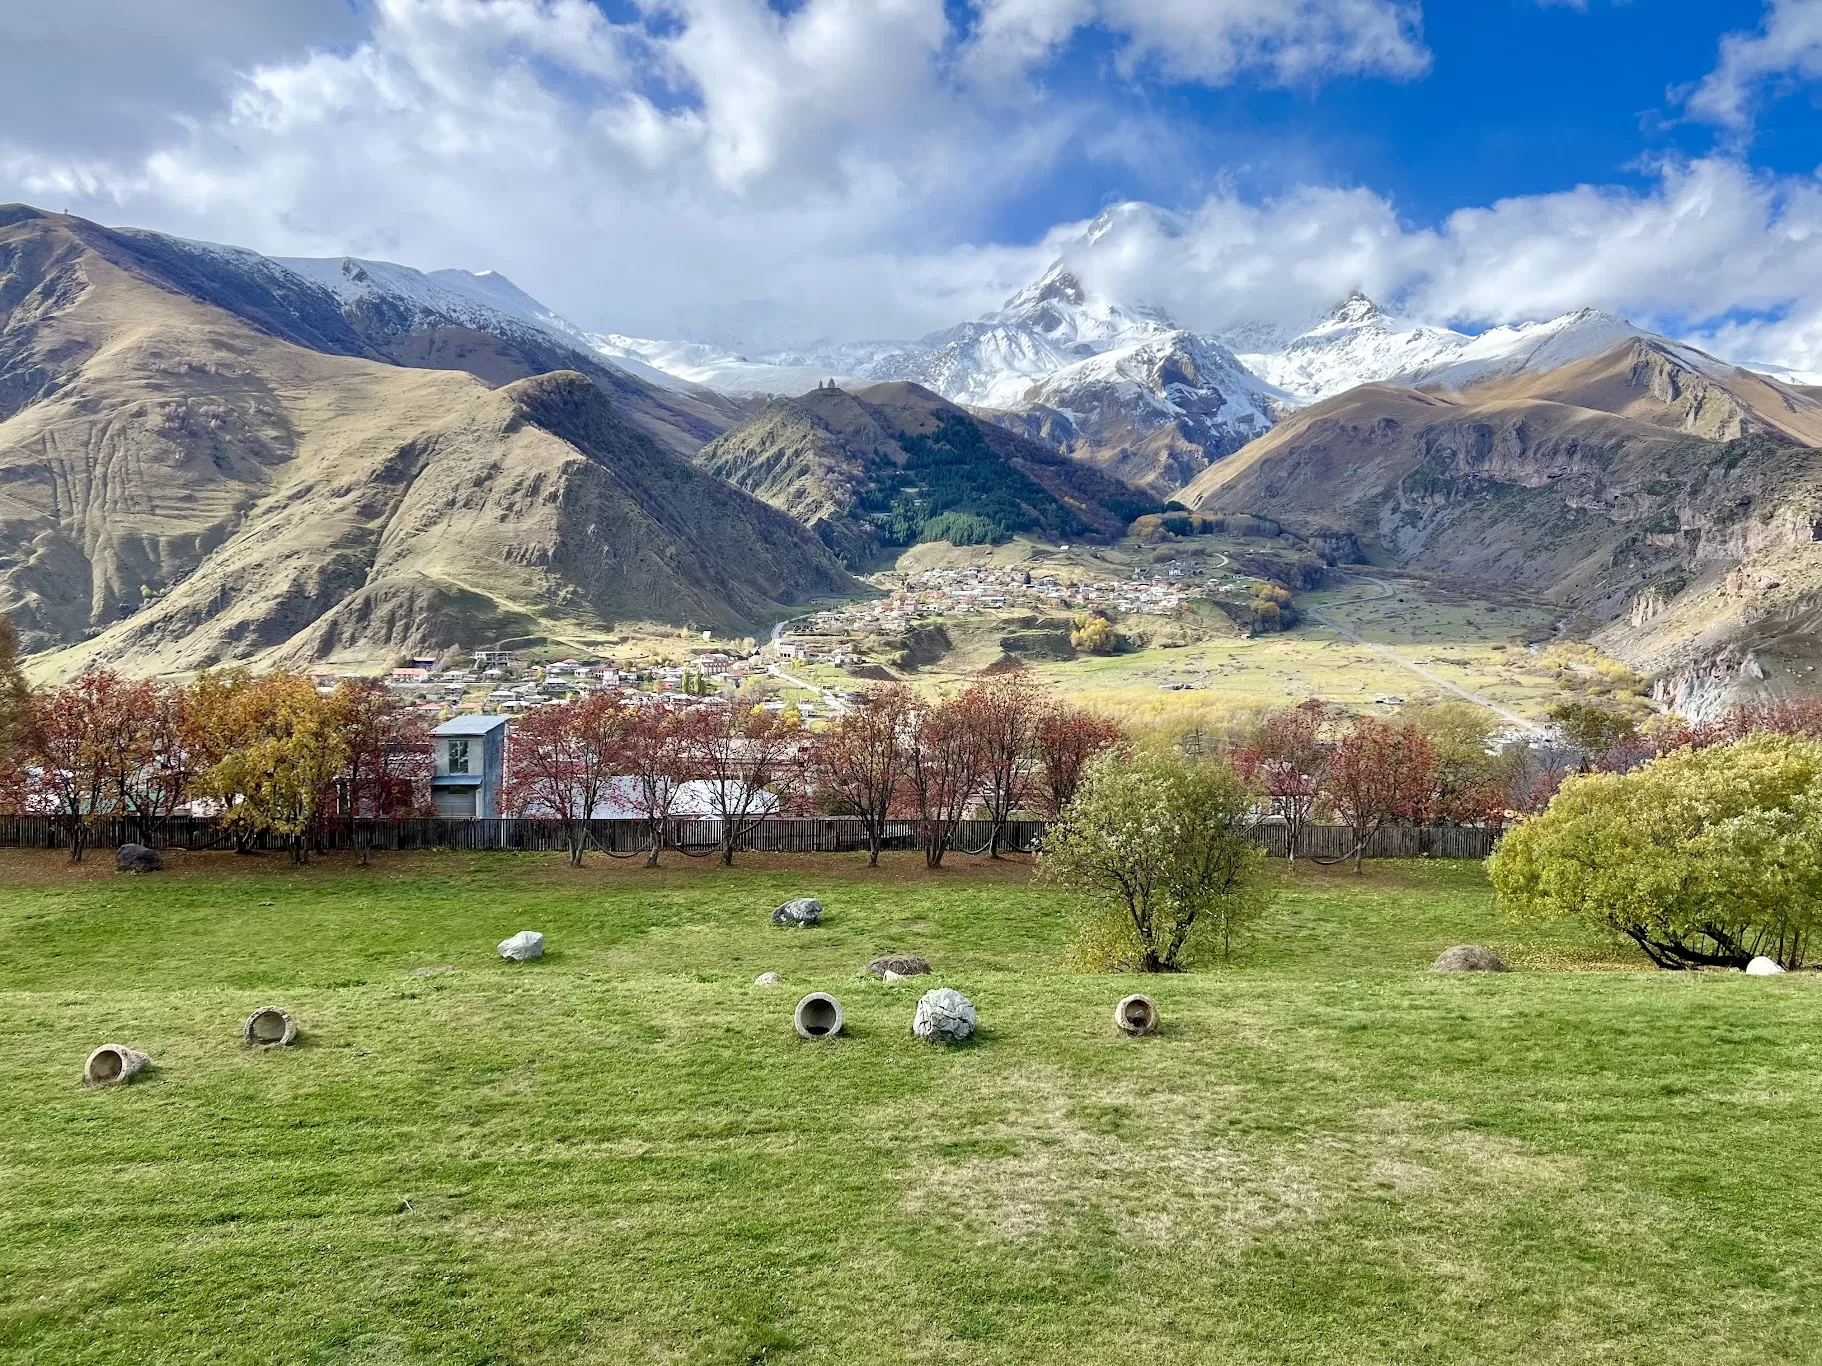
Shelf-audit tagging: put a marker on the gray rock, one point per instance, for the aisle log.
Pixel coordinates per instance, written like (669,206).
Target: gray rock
(137,858)
(799,912)
(818,1016)
(1763,967)
(768,979)
(904,964)
(1468,958)
(523,945)
(944,1016)
(432,972)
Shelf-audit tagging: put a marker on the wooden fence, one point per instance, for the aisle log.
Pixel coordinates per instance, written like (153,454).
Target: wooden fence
(821,835)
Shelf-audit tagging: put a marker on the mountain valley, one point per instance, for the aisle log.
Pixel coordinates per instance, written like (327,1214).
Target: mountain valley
(207,456)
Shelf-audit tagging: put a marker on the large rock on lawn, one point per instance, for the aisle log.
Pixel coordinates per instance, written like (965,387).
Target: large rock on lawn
(798,912)
(524,945)
(1468,958)
(904,964)
(1763,967)
(137,858)
(944,1016)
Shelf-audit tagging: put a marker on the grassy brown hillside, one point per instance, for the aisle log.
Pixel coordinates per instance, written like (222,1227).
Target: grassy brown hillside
(1628,486)
(282,303)
(886,465)
(180,487)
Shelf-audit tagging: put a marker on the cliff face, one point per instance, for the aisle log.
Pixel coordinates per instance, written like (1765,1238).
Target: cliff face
(180,487)
(1676,509)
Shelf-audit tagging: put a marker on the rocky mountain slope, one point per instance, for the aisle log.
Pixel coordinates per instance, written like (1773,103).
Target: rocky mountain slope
(892,464)
(445,320)
(202,463)
(1644,484)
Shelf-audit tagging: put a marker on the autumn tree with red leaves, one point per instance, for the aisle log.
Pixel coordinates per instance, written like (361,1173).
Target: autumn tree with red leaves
(1006,711)
(1065,740)
(751,761)
(946,767)
(654,761)
(561,764)
(1289,756)
(1381,775)
(863,760)
(72,737)
(389,759)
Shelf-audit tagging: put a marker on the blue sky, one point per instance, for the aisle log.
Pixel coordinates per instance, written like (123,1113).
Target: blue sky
(1521,98)
(764,172)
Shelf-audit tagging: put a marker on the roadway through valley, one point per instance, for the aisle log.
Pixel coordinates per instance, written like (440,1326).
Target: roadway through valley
(1385,591)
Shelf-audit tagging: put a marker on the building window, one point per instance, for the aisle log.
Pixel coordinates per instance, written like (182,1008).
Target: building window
(458,756)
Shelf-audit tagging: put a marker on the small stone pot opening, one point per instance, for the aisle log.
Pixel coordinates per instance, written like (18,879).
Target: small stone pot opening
(112,1064)
(1136,1015)
(270,1027)
(818,1016)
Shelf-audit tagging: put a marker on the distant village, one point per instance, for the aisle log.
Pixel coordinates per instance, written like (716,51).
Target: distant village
(1161,591)
(504,682)
(501,682)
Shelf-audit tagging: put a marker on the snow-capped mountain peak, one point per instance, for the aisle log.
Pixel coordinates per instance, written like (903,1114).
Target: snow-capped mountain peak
(1352,311)
(1356,342)
(1058,308)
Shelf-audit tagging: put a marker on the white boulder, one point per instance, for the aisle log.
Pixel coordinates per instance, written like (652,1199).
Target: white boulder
(944,1016)
(523,945)
(768,979)
(1763,967)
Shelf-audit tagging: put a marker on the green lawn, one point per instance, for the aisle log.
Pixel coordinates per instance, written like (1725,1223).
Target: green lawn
(623,1153)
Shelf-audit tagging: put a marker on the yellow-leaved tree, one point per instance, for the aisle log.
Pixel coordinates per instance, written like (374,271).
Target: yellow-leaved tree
(1157,848)
(1702,858)
(278,748)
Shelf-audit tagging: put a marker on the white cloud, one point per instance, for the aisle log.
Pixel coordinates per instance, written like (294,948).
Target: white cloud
(82,77)
(719,169)
(705,162)
(1282,42)
(1788,45)
(1712,251)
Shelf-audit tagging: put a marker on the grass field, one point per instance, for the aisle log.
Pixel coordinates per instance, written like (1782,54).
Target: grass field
(1471,634)
(622,1153)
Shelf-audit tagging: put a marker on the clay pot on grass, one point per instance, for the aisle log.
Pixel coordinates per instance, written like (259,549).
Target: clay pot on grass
(1136,1015)
(269,1027)
(113,1064)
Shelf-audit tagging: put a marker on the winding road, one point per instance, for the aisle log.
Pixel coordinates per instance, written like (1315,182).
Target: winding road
(1385,591)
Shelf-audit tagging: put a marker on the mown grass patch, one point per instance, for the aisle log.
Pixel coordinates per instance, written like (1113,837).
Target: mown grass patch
(623,1153)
